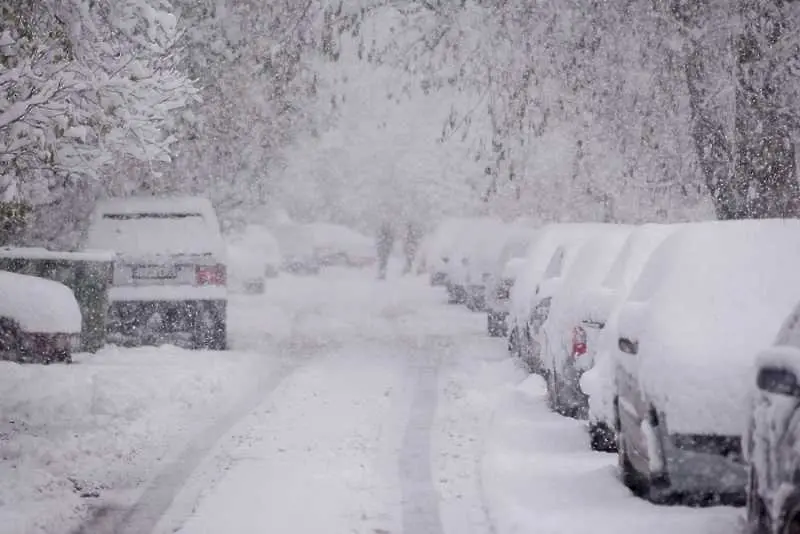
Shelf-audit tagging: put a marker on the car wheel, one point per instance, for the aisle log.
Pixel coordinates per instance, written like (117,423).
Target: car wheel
(601,437)
(493,325)
(211,331)
(792,522)
(513,343)
(627,473)
(758,519)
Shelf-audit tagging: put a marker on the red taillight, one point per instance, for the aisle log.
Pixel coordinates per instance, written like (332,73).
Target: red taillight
(578,341)
(211,275)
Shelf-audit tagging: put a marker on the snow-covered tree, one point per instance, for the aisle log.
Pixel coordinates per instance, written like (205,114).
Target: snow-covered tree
(84,88)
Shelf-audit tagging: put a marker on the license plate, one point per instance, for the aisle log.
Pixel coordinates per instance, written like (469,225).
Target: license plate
(158,272)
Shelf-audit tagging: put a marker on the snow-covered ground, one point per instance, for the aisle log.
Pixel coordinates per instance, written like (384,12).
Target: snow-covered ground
(346,405)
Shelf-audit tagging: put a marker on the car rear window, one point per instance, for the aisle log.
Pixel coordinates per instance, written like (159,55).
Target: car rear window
(152,233)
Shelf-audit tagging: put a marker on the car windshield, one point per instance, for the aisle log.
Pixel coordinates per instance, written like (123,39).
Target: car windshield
(151,233)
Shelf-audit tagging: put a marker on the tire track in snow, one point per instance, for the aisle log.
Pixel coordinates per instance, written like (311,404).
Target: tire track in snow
(159,494)
(420,500)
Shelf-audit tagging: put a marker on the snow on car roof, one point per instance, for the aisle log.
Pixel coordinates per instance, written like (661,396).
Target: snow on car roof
(592,262)
(144,226)
(39,305)
(38,253)
(540,254)
(708,299)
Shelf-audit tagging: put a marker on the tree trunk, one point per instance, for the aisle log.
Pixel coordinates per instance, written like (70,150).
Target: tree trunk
(765,149)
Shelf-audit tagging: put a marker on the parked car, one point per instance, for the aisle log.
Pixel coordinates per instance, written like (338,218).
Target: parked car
(773,432)
(524,291)
(471,234)
(566,333)
(40,320)
(297,248)
(707,300)
(501,275)
(170,276)
(437,249)
(337,245)
(253,256)
(483,252)
(498,293)
(599,321)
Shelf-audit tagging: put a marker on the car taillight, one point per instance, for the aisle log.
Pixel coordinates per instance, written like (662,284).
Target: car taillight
(211,275)
(578,341)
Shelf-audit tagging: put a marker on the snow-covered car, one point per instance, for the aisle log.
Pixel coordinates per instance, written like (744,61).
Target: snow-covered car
(40,320)
(467,258)
(708,299)
(337,245)
(297,248)
(502,275)
(599,321)
(523,294)
(563,336)
(170,276)
(253,256)
(483,253)
(437,249)
(773,432)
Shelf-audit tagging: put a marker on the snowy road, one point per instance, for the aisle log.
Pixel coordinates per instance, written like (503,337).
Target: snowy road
(347,405)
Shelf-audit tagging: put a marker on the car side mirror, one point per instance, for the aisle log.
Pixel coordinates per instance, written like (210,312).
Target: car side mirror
(627,346)
(778,380)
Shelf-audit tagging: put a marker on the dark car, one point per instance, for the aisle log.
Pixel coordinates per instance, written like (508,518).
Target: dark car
(773,437)
(170,277)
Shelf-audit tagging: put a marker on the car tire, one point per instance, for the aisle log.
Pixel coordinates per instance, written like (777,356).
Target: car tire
(601,437)
(494,325)
(627,473)
(758,518)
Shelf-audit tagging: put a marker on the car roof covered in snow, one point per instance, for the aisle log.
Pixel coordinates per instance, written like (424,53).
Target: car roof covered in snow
(38,253)
(540,257)
(709,298)
(628,264)
(194,229)
(39,305)
(592,262)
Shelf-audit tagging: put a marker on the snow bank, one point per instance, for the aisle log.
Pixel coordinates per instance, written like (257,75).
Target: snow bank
(101,426)
(539,476)
(39,305)
(739,279)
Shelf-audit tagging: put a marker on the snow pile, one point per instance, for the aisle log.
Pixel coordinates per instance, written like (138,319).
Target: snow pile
(739,279)
(39,305)
(540,476)
(603,304)
(99,428)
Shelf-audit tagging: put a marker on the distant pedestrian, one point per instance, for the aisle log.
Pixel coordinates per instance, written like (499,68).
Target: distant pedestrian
(385,246)
(411,246)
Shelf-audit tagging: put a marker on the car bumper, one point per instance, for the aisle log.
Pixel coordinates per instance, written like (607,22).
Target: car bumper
(166,293)
(134,322)
(706,464)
